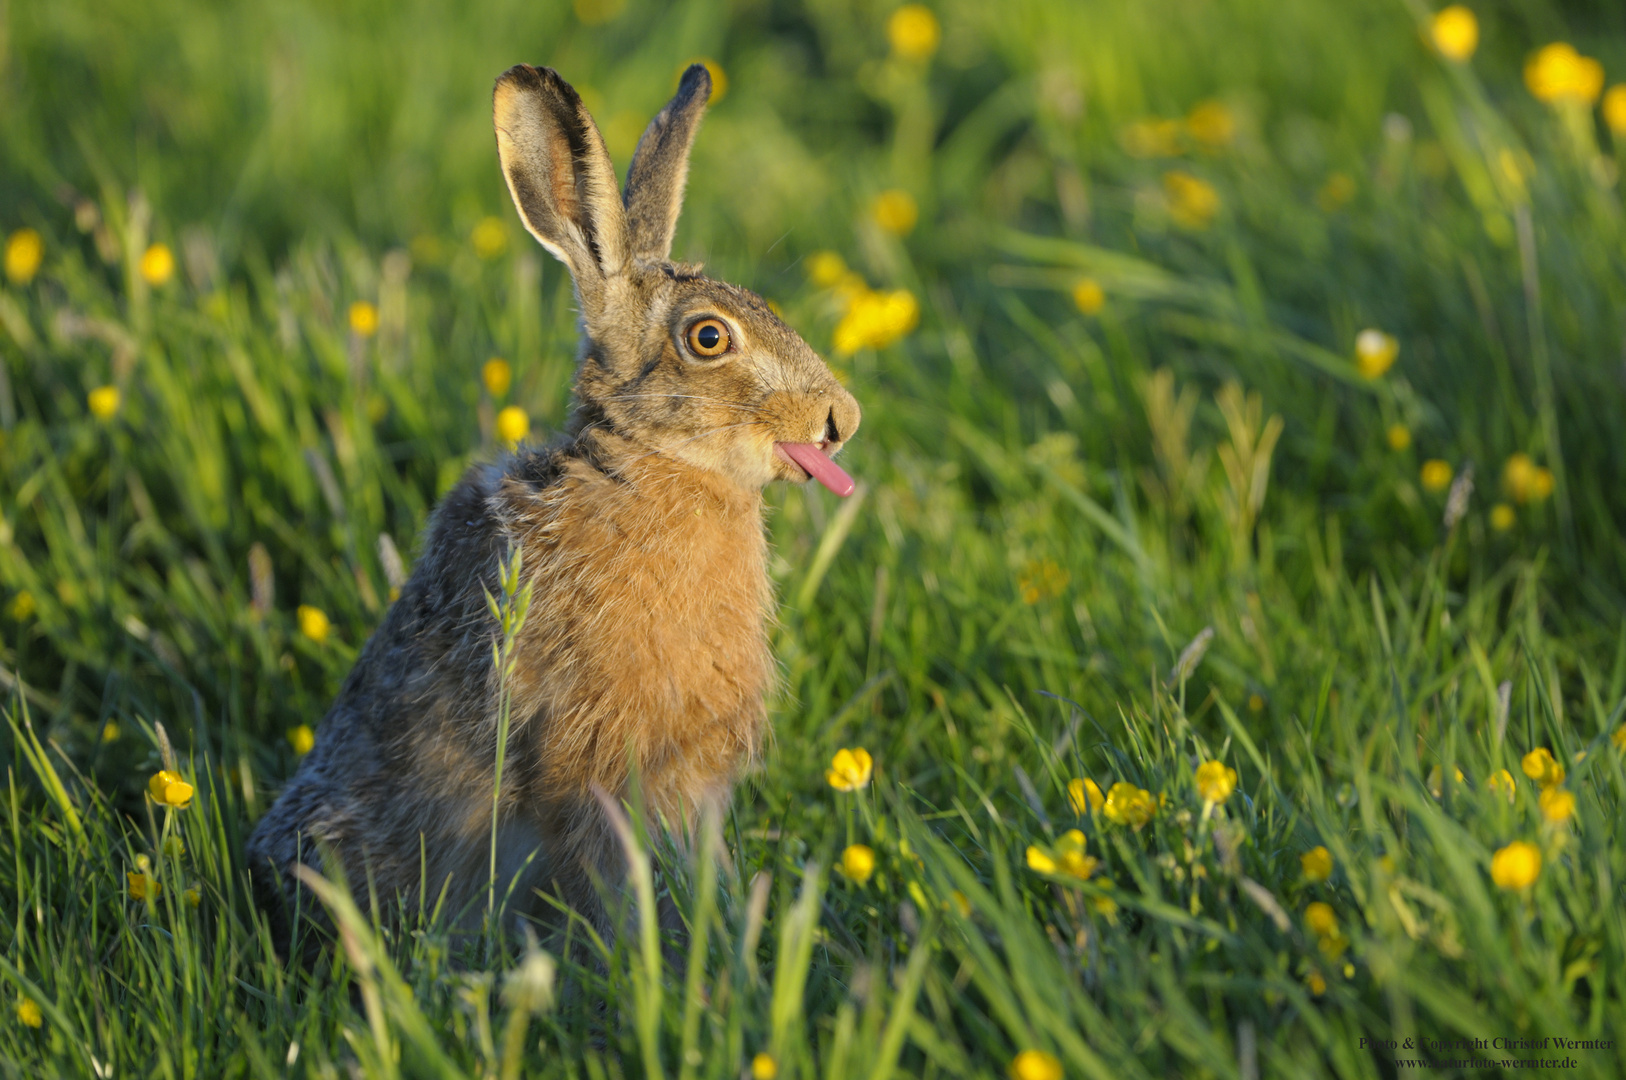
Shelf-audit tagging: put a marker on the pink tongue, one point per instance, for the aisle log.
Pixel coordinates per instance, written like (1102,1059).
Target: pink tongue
(820,467)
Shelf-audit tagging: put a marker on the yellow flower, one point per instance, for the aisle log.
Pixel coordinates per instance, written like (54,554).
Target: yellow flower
(1211,123)
(1557,805)
(490,237)
(1502,517)
(1070,857)
(28,1012)
(1541,484)
(192,895)
(22,605)
(1436,780)
(1558,73)
(302,739)
(1614,109)
(1129,805)
(914,32)
(1151,138)
(858,862)
(363,319)
(103,402)
(110,731)
(1034,1065)
(1040,580)
(896,211)
(513,424)
(1215,781)
(169,789)
(1085,795)
(1256,703)
(157,265)
(1089,296)
(497,376)
(1398,436)
(1540,766)
(1316,864)
(174,847)
(1516,866)
(1436,475)
(1067,857)
(1455,32)
(764,1067)
(961,904)
(1518,476)
(1337,191)
(876,319)
(143,886)
(850,769)
(1316,983)
(1321,919)
(825,268)
(313,623)
(1618,738)
(1193,203)
(25,250)
(1375,352)
(1501,781)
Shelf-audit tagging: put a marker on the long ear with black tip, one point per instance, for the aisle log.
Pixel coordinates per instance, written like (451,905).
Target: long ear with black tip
(559,173)
(660,167)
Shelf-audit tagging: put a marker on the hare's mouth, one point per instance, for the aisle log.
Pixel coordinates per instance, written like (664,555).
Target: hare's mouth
(811,459)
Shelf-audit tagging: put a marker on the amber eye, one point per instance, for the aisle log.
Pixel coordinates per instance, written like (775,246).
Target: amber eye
(708,338)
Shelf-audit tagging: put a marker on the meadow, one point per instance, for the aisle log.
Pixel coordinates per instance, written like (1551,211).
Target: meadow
(1221,671)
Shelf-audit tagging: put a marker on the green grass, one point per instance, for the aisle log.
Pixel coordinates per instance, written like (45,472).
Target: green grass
(1056,505)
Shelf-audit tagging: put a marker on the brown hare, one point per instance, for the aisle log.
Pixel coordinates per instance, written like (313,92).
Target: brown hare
(641,534)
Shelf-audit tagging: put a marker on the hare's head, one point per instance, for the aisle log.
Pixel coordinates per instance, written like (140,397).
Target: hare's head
(675,362)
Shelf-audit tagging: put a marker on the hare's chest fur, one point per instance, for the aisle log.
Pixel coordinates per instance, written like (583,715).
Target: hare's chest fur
(646,638)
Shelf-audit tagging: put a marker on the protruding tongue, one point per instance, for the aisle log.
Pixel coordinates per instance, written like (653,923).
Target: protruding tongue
(820,467)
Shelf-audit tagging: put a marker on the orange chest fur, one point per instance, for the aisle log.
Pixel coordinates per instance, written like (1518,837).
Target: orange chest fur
(647,629)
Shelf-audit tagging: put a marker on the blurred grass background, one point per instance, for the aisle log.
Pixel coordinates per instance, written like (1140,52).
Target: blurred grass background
(1143,240)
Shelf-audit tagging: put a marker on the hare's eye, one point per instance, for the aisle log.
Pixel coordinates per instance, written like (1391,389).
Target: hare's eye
(708,338)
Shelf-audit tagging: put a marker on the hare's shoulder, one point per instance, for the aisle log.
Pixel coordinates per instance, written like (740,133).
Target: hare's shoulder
(430,657)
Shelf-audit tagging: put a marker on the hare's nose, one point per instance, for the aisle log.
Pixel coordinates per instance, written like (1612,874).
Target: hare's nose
(842,420)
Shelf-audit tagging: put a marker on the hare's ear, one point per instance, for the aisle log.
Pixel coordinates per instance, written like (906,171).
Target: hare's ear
(559,173)
(660,166)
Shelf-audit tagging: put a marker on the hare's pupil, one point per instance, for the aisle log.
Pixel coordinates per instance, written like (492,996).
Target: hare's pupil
(709,336)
